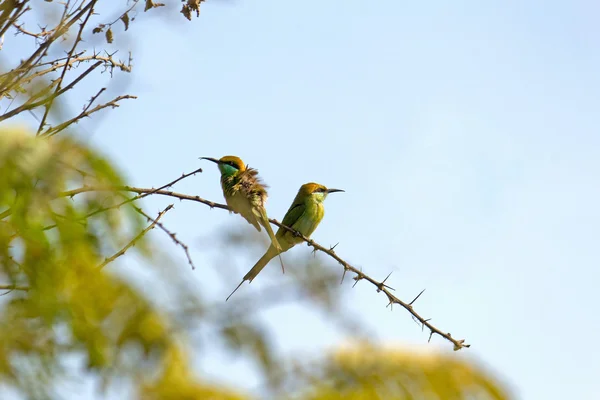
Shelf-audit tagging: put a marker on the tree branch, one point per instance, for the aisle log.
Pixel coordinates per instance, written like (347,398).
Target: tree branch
(358,274)
(147,192)
(64,71)
(108,61)
(15,75)
(45,100)
(172,235)
(86,113)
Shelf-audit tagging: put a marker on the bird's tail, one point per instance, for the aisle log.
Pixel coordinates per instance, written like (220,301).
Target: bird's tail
(260,264)
(264,221)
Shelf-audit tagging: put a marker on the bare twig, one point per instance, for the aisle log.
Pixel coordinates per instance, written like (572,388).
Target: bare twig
(108,61)
(86,113)
(18,10)
(13,78)
(29,105)
(173,237)
(147,192)
(64,71)
(141,192)
(14,287)
(24,31)
(135,239)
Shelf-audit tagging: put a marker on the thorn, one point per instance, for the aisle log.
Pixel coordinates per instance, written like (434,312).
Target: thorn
(343,275)
(333,247)
(357,278)
(386,278)
(391,302)
(382,285)
(430,335)
(415,299)
(281,262)
(423,324)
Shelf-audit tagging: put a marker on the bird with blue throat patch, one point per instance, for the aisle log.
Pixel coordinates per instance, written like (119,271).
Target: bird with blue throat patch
(303,216)
(244,193)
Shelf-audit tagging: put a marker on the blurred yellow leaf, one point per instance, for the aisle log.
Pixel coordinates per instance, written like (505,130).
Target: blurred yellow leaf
(397,373)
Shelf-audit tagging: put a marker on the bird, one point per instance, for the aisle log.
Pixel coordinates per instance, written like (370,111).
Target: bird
(245,193)
(303,216)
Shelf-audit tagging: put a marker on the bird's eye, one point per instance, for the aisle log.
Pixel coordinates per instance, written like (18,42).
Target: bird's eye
(319,190)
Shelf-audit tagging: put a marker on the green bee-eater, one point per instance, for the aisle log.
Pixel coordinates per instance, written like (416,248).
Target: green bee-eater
(244,193)
(304,215)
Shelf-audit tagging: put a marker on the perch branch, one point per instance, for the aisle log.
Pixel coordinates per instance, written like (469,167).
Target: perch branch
(358,274)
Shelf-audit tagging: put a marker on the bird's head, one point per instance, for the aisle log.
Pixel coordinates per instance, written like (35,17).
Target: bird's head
(228,165)
(316,191)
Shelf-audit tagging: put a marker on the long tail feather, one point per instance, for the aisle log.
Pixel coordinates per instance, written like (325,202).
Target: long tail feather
(260,264)
(265,222)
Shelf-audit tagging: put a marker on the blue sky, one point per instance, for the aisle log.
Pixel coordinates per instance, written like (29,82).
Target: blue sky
(464,133)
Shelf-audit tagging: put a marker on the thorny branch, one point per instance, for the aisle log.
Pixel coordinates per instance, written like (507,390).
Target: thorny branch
(140,194)
(381,287)
(39,35)
(358,274)
(172,235)
(31,68)
(114,103)
(108,60)
(148,192)
(31,105)
(14,77)
(78,39)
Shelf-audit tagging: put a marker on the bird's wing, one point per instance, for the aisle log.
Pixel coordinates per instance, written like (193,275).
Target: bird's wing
(293,214)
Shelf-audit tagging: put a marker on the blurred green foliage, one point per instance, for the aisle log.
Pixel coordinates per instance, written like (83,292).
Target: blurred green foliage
(50,251)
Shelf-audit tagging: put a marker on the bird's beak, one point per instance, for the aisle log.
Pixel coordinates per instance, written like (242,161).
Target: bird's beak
(209,159)
(334,190)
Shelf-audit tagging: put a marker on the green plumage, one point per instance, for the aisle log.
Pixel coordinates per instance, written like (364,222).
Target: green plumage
(244,193)
(304,215)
